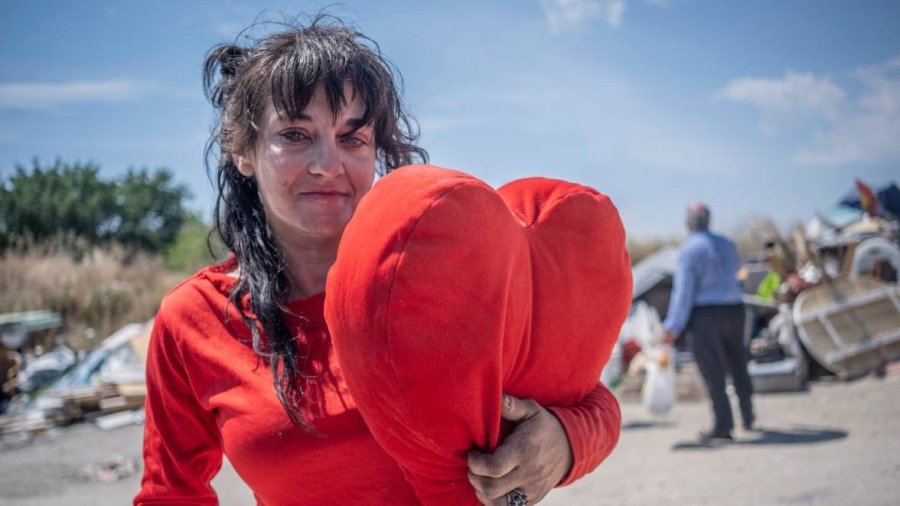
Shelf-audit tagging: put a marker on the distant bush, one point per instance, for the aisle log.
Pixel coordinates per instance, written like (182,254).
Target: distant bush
(190,251)
(72,204)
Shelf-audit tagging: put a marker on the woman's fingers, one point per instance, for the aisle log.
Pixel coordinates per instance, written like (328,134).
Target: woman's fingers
(490,490)
(494,465)
(516,410)
(533,457)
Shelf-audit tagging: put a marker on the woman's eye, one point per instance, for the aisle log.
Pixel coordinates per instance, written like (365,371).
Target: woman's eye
(294,136)
(353,141)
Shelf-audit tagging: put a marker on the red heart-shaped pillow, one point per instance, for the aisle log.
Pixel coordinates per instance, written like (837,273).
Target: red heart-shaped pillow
(447,293)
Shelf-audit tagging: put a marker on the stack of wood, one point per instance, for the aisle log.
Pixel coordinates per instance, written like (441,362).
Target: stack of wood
(127,397)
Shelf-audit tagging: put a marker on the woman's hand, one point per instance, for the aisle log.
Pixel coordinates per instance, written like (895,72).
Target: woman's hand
(534,458)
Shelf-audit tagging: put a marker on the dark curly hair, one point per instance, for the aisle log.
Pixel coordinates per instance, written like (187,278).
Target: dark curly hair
(286,68)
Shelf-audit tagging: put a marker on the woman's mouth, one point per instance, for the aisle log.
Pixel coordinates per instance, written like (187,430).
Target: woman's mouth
(324,196)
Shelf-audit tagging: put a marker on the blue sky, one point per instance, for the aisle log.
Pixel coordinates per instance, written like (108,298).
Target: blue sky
(765,108)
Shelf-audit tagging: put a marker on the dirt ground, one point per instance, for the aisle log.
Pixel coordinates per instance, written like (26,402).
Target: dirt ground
(837,444)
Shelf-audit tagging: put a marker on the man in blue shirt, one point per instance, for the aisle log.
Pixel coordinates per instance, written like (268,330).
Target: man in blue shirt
(706,300)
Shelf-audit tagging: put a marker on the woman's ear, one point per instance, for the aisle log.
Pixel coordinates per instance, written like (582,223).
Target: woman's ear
(245,165)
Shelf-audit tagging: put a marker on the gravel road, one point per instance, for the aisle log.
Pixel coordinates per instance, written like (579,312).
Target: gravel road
(837,444)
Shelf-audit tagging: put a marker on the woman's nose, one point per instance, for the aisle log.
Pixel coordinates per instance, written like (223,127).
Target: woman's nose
(327,161)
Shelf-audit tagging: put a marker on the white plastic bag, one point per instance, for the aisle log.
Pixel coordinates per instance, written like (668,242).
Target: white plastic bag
(658,394)
(612,371)
(646,325)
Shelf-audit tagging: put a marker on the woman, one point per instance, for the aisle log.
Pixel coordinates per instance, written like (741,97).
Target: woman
(306,119)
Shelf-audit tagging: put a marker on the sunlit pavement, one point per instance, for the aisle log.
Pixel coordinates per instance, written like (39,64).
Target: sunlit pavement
(837,444)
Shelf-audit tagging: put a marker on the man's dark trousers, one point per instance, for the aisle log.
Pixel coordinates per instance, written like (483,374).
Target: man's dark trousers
(717,340)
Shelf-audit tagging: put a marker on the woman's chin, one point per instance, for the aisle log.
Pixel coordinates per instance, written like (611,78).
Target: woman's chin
(325,231)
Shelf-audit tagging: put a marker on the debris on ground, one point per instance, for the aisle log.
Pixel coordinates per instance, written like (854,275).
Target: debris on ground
(113,470)
(47,367)
(109,380)
(120,419)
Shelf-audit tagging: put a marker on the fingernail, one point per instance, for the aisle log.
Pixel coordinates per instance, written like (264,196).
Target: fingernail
(507,401)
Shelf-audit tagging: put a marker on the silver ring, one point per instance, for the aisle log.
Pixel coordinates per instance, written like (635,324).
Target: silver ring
(516,498)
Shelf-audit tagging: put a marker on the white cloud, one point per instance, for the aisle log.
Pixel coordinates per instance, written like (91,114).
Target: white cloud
(566,14)
(796,93)
(849,124)
(42,95)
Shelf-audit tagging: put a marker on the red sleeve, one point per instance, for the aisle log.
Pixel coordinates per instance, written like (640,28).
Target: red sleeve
(182,446)
(593,430)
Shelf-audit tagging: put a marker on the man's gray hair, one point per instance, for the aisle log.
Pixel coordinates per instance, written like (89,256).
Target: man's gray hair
(698,216)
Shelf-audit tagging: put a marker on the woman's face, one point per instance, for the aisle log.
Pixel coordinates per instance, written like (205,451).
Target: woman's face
(312,171)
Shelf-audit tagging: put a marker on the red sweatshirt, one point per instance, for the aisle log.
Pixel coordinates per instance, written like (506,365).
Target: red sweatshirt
(208,394)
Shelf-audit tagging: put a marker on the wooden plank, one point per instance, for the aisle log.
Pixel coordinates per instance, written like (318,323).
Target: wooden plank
(131,390)
(120,403)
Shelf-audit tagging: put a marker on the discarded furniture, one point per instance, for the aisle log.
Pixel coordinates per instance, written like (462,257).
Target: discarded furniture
(850,326)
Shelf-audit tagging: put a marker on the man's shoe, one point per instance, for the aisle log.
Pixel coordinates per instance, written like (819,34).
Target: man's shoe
(713,436)
(750,425)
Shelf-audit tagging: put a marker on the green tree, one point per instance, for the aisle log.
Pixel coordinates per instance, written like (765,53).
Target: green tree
(191,250)
(60,198)
(141,210)
(150,210)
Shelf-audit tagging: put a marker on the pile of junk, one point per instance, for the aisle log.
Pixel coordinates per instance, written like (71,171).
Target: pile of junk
(45,383)
(823,302)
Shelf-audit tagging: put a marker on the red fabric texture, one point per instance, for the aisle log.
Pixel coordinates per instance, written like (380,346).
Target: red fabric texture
(597,414)
(447,293)
(208,393)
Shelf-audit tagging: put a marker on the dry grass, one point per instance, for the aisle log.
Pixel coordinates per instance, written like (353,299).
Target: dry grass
(96,295)
(641,248)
